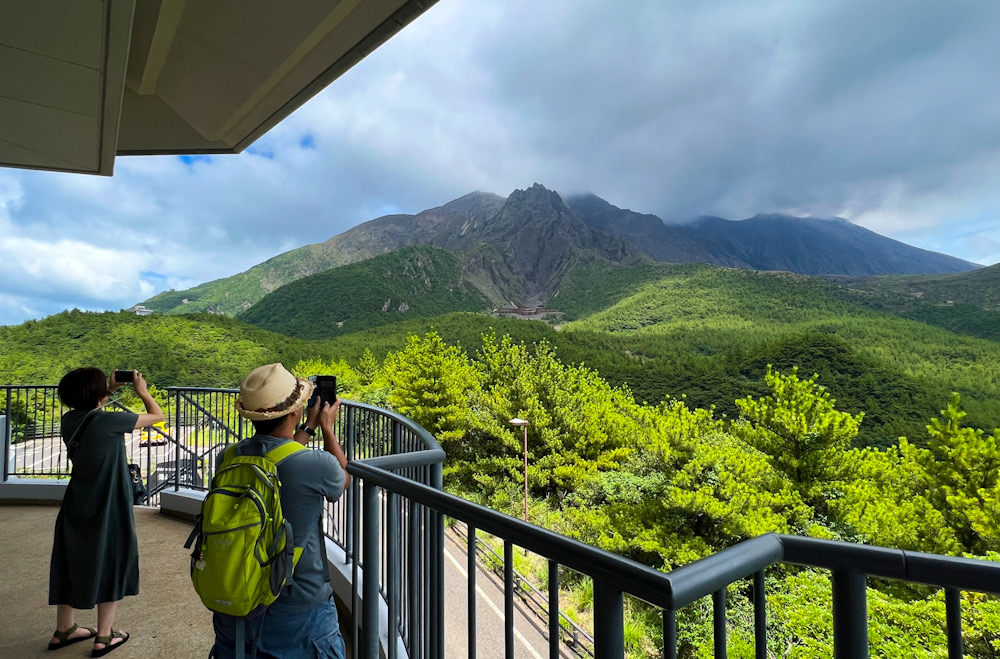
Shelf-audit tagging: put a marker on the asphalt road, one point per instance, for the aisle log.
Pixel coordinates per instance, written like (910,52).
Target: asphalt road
(528,642)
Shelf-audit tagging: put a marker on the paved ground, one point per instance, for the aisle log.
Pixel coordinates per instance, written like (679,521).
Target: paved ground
(166,618)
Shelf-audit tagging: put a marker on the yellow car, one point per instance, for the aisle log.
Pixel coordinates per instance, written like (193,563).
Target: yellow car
(150,436)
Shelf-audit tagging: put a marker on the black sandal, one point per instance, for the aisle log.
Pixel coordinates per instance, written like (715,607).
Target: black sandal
(65,640)
(108,647)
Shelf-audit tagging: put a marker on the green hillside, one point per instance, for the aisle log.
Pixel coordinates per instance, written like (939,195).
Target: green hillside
(417,281)
(187,350)
(980,287)
(700,330)
(231,295)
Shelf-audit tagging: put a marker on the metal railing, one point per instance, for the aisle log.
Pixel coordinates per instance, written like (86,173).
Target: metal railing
(614,576)
(577,639)
(409,542)
(32,442)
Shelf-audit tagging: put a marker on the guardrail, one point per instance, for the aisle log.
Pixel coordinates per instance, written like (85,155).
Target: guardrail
(614,576)
(204,421)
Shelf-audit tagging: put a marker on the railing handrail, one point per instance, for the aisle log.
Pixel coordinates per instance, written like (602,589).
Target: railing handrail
(640,580)
(684,585)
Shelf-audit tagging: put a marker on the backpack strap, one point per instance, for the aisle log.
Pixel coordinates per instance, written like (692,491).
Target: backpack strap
(283,452)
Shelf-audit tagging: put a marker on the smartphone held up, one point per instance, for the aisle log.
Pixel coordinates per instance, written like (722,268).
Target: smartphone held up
(326,389)
(123,377)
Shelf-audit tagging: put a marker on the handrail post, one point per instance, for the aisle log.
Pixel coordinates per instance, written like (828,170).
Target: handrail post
(392,590)
(6,437)
(555,637)
(609,621)
(850,614)
(370,547)
(953,615)
(719,623)
(669,634)
(437,569)
(177,443)
(759,616)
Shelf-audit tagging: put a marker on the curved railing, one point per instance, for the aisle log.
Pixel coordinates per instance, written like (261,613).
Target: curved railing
(203,421)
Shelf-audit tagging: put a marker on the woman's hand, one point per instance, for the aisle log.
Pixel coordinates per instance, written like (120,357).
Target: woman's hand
(139,384)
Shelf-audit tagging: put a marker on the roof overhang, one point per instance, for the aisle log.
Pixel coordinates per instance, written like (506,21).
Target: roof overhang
(84,81)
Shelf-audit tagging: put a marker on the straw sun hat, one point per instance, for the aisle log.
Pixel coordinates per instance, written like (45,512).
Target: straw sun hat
(269,392)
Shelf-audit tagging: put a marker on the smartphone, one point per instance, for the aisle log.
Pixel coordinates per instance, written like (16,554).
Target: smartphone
(326,389)
(123,376)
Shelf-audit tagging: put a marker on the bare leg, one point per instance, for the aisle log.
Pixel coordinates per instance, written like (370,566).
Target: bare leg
(105,619)
(64,620)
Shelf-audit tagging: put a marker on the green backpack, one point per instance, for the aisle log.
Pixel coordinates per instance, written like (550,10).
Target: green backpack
(245,552)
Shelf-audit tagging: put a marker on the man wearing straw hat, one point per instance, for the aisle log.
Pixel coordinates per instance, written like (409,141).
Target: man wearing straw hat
(302,622)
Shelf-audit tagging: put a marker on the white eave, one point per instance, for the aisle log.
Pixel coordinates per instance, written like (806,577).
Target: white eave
(82,81)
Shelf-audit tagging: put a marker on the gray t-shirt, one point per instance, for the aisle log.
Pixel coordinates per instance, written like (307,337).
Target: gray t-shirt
(308,479)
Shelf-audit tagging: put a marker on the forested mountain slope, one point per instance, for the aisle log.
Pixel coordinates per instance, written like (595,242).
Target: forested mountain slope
(413,282)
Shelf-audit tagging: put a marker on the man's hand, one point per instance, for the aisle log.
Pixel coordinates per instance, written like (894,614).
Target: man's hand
(328,414)
(312,414)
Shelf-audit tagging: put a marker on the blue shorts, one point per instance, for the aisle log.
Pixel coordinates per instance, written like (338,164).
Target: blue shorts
(311,634)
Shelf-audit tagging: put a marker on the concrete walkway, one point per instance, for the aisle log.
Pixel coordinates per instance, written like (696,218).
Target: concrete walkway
(166,619)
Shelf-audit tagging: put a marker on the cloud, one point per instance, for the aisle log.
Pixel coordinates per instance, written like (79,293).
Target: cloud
(884,113)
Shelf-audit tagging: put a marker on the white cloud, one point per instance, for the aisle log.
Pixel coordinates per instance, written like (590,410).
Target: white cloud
(881,112)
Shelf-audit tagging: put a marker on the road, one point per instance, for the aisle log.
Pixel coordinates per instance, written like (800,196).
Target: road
(528,641)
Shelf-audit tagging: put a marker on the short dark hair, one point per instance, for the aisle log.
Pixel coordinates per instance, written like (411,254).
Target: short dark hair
(267,426)
(83,388)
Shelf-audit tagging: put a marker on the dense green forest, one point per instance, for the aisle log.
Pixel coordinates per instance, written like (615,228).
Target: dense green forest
(668,483)
(424,281)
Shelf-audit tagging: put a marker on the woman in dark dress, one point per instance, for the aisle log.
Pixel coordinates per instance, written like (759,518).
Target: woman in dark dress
(95,558)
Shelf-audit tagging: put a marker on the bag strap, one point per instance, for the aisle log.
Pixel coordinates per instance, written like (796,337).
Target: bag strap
(72,444)
(281,453)
(276,455)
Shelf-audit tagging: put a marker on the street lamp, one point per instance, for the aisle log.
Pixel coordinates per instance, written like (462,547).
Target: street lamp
(524,424)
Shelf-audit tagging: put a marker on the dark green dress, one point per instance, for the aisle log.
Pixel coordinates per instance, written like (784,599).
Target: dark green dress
(95,557)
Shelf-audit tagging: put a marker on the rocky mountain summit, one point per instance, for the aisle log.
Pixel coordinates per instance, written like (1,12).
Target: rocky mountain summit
(519,248)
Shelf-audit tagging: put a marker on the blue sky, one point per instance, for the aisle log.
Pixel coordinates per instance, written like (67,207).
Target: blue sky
(884,113)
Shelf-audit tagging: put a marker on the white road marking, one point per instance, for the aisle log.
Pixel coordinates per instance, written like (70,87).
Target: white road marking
(482,593)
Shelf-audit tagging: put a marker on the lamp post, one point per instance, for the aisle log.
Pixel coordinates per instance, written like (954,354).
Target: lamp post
(524,424)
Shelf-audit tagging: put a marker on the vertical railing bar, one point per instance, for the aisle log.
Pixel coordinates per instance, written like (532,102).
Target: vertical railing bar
(554,633)
(472,622)
(609,621)
(719,623)
(953,615)
(759,616)
(669,634)
(392,595)
(850,614)
(370,547)
(356,567)
(508,598)
(420,595)
(7,436)
(437,557)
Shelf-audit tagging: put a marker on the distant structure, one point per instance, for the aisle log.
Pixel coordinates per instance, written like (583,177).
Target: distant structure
(141,310)
(528,311)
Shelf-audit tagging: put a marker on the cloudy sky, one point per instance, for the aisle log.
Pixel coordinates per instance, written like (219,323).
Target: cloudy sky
(886,113)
